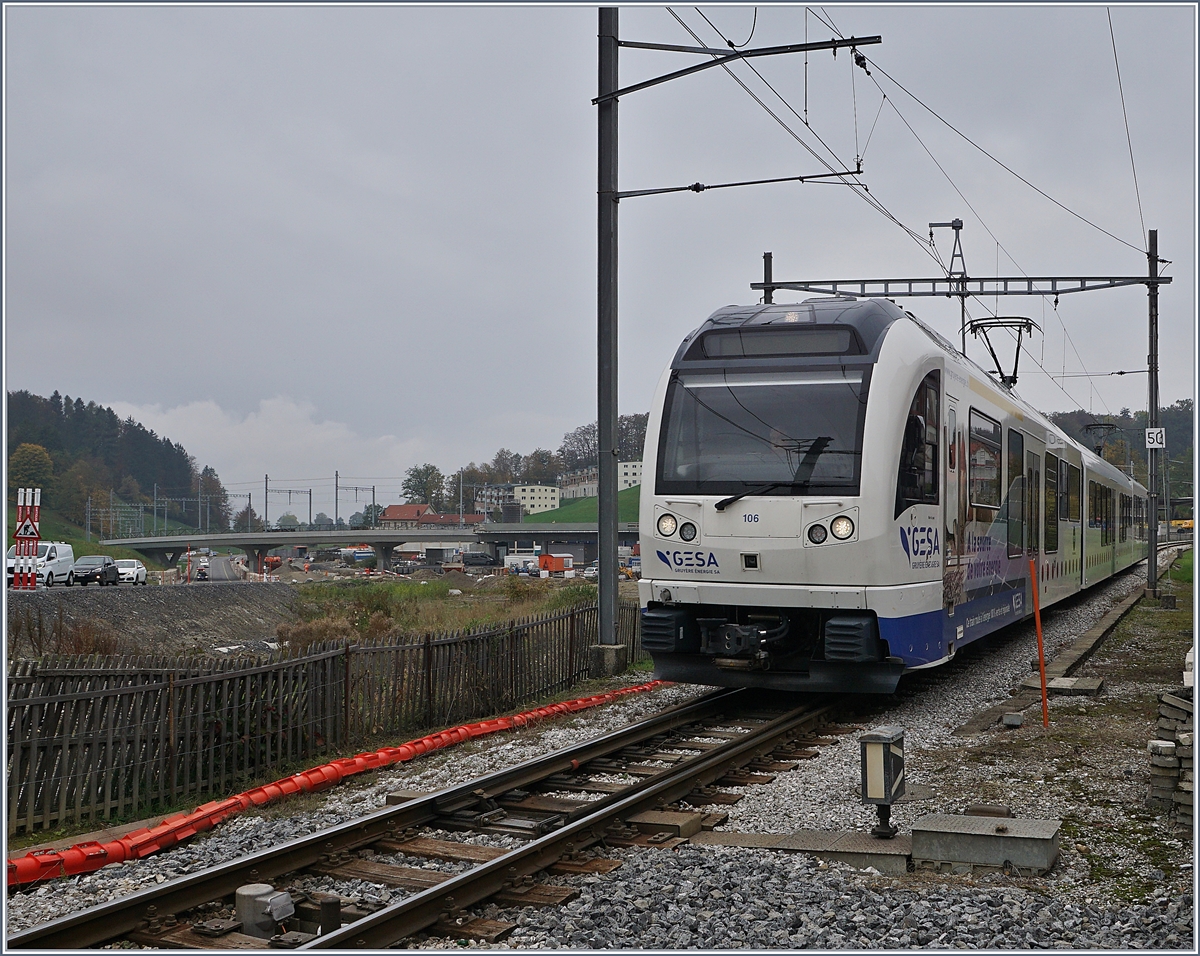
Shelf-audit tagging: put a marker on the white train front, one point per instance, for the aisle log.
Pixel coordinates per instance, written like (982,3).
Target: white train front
(833,495)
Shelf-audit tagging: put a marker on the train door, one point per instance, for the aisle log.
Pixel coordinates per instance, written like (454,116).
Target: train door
(955,526)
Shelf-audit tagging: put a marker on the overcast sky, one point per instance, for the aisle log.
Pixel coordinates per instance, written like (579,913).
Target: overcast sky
(306,239)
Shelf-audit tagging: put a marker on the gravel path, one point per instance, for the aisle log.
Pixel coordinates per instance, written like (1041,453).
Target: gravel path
(716,897)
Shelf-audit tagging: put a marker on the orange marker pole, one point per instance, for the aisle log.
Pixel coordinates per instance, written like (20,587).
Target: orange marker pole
(1037,617)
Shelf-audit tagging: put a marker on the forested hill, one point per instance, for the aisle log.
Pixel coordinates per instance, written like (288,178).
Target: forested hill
(91,451)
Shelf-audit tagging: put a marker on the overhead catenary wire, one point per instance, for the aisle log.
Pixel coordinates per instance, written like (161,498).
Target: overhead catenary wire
(999,245)
(1128,139)
(929,248)
(981,220)
(1008,169)
(828,21)
(753,27)
(857,188)
(878,113)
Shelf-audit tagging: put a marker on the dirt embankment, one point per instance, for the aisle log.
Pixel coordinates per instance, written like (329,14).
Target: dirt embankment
(172,620)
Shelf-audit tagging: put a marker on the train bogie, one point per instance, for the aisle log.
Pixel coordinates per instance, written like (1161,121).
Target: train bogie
(833,495)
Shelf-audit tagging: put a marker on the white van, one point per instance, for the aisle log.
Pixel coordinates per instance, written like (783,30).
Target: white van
(54,562)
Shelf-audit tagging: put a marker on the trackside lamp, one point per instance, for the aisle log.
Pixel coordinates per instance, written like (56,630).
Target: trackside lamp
(883,774)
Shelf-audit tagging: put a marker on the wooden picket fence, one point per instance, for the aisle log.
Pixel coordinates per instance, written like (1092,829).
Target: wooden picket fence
(97,738)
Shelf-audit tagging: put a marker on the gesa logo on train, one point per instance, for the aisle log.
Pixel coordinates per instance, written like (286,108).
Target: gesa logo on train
(704,562)
(922,544)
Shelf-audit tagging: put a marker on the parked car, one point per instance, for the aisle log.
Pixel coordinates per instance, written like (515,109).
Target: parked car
(131,571)
(96,567)
(592,571)
(54,562)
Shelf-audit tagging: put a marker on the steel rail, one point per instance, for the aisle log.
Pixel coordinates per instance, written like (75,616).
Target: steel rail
(423,909)
(109,921)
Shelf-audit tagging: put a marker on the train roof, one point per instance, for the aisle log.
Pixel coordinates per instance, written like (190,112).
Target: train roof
(870,318)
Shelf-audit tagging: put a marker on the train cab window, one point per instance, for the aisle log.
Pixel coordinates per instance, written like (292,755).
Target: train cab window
(917,481)
(1016,493)
(983,461)
(1052,466)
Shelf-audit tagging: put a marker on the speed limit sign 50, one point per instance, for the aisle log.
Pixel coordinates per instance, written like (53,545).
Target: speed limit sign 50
(1156,438)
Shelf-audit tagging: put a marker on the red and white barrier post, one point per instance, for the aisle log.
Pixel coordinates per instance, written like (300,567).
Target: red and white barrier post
(27,535)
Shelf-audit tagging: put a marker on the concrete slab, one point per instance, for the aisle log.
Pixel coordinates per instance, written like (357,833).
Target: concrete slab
(753,840)
(986,842)
(1066,686)
(810,841)
(860,850)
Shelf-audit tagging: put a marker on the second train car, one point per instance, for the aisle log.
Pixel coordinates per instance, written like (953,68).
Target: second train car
(833,495)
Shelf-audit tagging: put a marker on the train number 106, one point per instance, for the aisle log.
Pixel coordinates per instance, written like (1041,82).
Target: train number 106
(752,519)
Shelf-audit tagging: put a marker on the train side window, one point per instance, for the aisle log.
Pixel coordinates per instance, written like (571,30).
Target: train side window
(917,481)
(1052,466)
(1016,493)
(1074,485)
(983,461)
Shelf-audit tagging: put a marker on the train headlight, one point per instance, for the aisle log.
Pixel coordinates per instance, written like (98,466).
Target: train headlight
(687,531)
(817,534)
(667,525)
(842,527)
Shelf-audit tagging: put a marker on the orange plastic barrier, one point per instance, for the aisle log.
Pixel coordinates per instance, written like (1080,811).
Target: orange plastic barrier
(88,857)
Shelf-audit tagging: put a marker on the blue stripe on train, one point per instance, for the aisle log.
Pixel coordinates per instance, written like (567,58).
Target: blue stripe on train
(923,638)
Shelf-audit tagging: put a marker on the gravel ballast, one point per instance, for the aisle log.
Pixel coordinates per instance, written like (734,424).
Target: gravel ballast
(719,897)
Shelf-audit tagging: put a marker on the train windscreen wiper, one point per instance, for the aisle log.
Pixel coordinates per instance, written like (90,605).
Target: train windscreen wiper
(816,448)
(759,490)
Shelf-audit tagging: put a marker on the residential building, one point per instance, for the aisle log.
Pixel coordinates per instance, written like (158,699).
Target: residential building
(585,482)
(532,498)
(405,516)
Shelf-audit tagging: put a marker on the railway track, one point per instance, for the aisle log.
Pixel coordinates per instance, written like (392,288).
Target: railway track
(672,758)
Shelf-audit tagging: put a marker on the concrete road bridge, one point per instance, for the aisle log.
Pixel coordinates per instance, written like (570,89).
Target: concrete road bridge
(496,538)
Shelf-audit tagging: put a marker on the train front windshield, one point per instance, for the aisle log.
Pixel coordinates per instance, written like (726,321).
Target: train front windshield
(787,432)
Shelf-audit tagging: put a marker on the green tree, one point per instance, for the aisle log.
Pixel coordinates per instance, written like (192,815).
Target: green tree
(371,515)
(579,448)
(217,508)
(86,477)
(541,467)
(30,466)
(424,484)
(287,522)
(248,520)
(506,466)
(631,436)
